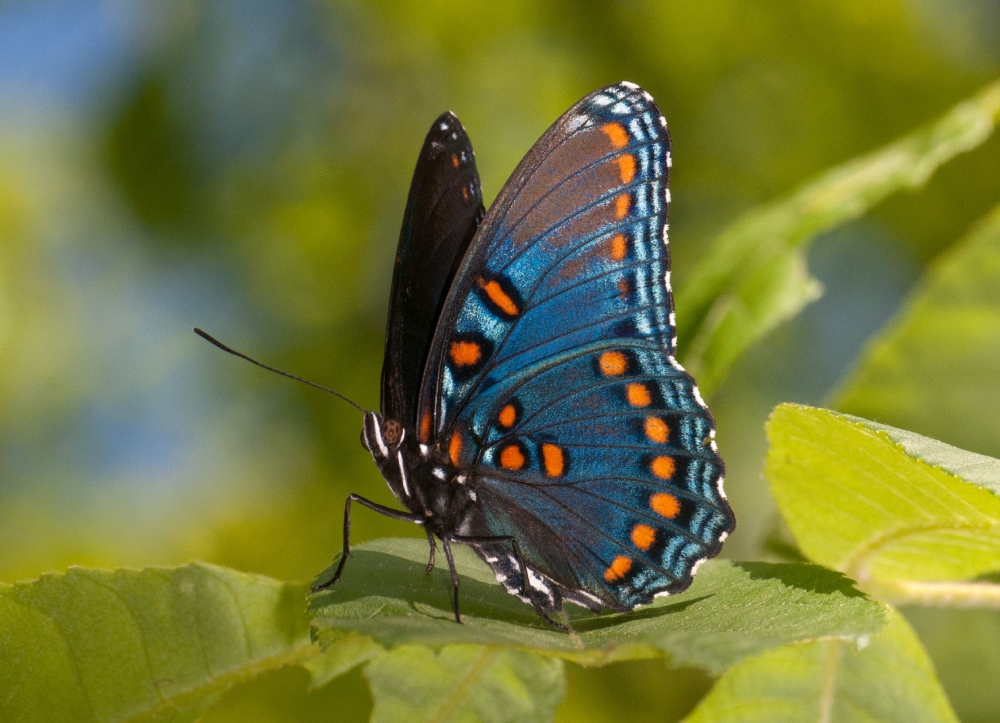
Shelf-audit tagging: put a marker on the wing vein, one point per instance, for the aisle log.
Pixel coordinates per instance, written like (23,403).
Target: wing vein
(617,543)
(679,491)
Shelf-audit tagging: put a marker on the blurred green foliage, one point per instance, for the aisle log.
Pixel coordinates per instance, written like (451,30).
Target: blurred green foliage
(755,277)
(965,645)
(937,371)
(243,167)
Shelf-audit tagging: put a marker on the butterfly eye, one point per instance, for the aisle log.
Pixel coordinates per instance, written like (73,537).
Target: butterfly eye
(392,431)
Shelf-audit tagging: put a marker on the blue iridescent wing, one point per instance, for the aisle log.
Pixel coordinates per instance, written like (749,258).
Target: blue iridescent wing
(551,376)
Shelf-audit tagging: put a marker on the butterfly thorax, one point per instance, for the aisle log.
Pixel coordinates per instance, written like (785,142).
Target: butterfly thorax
(420,476)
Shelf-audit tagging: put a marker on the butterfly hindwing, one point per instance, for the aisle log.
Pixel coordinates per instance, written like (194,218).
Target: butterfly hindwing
(443,211)
(552,367)
(624,467)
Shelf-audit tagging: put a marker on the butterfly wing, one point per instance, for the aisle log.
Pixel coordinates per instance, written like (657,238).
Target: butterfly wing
(443,211)
(551,377)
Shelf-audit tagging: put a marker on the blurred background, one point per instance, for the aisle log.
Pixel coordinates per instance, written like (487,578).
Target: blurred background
(243,167)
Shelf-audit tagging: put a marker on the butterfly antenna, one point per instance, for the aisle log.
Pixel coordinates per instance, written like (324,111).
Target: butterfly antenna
(209,338)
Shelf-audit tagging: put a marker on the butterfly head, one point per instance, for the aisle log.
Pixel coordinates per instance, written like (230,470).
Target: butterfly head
(398,460)
(382,436)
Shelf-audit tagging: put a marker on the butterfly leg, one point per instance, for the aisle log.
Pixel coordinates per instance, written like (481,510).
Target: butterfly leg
(520,564)
(454,576)
(433,544)
(382,510)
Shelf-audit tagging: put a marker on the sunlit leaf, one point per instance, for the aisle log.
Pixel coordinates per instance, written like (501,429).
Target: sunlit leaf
(882,504)
(129,645)
(937,368)
(732,610)
(754,276)
(889,681)
(413,684)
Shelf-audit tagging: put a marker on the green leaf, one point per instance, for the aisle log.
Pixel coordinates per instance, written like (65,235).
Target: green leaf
(754,276)
(889,681)
(964,646)
(340,654)
(142,645)
(937,368)
(465,683)
(730,611)
(882,504)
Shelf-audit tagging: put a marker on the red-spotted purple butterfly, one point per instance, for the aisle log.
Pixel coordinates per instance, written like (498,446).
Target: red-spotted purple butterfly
(531,404)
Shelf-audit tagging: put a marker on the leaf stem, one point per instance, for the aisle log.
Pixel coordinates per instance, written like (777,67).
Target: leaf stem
(827,695)
(950,594)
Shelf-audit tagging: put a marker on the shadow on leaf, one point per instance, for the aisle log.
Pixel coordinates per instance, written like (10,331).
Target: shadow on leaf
(381,581)
(597,622)
(804,576)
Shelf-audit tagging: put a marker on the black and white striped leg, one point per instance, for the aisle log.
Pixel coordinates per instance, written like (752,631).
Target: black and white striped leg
(433,544)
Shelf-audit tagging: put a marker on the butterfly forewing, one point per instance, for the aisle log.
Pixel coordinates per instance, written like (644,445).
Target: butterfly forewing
(551,370)
(443,211)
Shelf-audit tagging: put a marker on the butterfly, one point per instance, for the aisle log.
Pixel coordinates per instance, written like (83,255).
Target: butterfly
(531,404)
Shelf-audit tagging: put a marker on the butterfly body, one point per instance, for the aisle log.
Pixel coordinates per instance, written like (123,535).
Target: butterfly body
(424,480)
(531,403)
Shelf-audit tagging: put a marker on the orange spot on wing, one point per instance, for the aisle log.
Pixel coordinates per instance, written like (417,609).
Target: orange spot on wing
(663,467)
(454,160)
(638,395)
(616,134)
(508,415)
(499,297)
(613,363)
(657,430)
(425,427)
(465,353)
(665,505)
(465,193)
(626,165)
(622,204)
(554,460)
(623,289)
(619,247)
(455,448)
(619,568)
(643,536)
(511,457)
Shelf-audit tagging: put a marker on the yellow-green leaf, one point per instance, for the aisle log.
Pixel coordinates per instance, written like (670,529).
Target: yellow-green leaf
(881,504)
(889,681)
